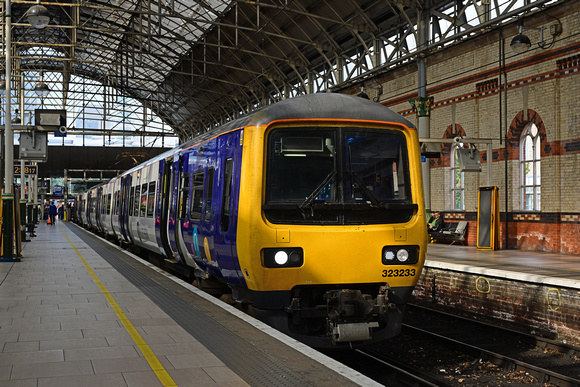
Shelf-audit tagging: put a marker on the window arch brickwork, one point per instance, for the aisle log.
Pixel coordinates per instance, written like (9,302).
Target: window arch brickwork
(518,125)
(445,160)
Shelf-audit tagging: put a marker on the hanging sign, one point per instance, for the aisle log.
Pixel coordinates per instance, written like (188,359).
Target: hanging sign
(28,170)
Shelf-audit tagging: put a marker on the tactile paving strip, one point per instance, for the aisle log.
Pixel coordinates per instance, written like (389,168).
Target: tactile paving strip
(253,366)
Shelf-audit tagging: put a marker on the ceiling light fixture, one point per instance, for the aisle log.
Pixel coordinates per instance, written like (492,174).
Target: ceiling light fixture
(38,16)
(521,43)
(41,89)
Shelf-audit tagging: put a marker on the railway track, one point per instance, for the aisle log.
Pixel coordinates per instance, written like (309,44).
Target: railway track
(387,370)
(548,361)
(446,350)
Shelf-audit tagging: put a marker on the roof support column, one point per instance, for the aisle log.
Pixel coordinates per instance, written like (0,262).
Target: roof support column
(339,70)
(378,49)
(310,86)
(423,104)
(8,133)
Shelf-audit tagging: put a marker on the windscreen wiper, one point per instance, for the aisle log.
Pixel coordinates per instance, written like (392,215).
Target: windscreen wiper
(307,204)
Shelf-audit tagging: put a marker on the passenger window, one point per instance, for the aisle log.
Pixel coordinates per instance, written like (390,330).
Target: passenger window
(108,204)
(228,174)
(209,194)
(197,195)
(136,204)
(131,200)
(151,200)
(183,195)
(116,202)
(143,207)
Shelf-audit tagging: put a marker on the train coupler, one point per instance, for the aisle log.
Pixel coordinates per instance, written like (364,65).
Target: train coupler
(347,332)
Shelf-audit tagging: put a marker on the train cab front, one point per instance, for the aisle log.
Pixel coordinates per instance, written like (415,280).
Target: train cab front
(339,245)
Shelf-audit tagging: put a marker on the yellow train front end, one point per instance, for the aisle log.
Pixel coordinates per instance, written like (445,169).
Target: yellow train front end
(331,231)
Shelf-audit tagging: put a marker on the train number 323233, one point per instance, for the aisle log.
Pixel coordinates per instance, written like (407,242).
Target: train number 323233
(399,273)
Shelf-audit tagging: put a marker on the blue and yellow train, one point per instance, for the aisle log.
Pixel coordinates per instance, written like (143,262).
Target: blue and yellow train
(310,212)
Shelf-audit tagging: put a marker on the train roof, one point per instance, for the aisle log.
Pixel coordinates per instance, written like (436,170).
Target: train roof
(311,106)
(318,106)
(327,106)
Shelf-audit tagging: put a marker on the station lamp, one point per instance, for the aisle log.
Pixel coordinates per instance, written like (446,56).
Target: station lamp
(16,119)
(41,89)
(38,16)
(520,42)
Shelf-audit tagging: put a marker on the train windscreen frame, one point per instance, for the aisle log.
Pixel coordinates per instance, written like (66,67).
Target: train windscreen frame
(337,175)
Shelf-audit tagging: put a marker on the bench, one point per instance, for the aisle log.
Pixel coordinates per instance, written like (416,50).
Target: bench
(455,232)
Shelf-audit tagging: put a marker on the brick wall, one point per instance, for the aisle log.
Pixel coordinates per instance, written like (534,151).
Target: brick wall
(551,311)
(550,232)
(464,81)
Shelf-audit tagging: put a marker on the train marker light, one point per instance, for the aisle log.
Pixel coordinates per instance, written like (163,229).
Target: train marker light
(389,255)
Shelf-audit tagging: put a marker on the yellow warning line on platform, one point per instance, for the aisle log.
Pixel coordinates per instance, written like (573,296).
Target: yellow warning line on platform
(154,363)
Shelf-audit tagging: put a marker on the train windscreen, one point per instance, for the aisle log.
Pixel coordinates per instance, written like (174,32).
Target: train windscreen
(337,176)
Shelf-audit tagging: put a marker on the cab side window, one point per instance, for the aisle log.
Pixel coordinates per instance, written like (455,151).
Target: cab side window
(108,204)
(228,174)
(143,206)
(151,199)
(136,203)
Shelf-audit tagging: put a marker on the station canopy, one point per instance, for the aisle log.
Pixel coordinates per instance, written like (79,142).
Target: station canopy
(190,65)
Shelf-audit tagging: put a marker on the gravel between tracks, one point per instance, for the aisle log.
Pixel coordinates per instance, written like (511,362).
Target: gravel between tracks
(454,367)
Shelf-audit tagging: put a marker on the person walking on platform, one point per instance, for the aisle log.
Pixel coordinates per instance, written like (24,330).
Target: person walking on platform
(52,213)
(61,212)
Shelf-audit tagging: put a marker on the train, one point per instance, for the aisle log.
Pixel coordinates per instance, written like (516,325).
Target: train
(308,212)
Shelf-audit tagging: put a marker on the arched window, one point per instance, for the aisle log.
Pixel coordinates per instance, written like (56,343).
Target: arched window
(530,168)
(457,179)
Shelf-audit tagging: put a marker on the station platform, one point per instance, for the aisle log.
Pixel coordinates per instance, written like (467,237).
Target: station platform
(531,266)
(529,291)
(79,311)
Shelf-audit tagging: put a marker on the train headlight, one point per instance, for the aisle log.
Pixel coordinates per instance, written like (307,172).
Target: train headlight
(281,258)
(286,257)
(400,255)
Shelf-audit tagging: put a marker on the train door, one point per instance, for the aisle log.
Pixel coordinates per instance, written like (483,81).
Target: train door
(141,208)
(98,207)
(115,224)
(164,206)
(83,209)
(203,233)
(134,198)
(182,214)
(225,226)
(107,206)
(124,207)
(90,209)
(173,215)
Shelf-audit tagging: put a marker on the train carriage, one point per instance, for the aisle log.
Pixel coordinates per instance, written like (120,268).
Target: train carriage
(309,210)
